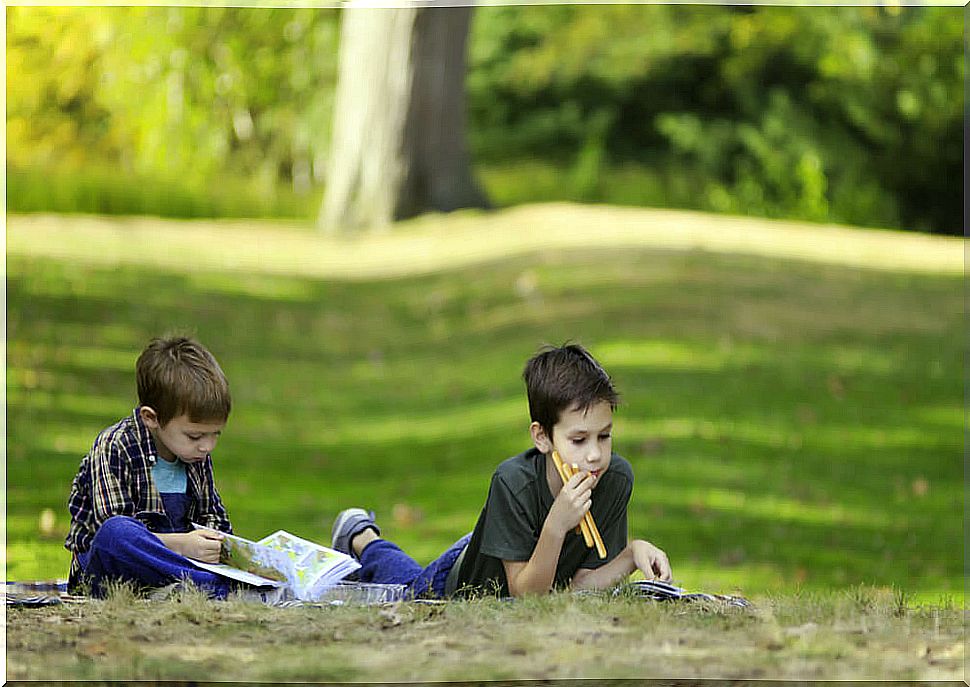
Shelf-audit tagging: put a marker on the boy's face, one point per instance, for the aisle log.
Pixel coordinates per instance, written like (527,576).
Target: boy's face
(583,437)
(182,439)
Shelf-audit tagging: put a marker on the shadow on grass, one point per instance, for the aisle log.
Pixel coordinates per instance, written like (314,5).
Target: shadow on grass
(787,416)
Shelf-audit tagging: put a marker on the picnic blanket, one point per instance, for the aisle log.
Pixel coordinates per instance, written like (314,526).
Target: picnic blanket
(43,593)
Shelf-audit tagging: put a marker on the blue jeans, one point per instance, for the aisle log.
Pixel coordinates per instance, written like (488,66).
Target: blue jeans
(384,562)
(124,549)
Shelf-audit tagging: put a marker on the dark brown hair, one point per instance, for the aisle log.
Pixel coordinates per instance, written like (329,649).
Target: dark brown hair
(563,377)
(179,376)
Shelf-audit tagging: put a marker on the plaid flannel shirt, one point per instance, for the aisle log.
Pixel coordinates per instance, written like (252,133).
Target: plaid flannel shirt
(115,478)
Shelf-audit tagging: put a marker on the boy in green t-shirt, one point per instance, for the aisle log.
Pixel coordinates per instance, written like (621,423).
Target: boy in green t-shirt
(525,540)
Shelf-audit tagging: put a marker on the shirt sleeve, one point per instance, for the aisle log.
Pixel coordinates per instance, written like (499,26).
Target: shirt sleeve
(110,482)
(212,513)
(510,530)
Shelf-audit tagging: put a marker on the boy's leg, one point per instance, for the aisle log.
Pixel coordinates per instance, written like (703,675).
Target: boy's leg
(382,562)
(431,581)
(124,549)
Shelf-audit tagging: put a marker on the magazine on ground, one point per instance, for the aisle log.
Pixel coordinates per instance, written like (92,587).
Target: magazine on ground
(281,559)
(663,591)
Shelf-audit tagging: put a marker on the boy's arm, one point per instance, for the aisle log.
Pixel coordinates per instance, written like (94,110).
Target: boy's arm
(536,575)
(110,483)
(638,555)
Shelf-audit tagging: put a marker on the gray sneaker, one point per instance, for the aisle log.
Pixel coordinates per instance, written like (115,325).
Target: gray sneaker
(349,524)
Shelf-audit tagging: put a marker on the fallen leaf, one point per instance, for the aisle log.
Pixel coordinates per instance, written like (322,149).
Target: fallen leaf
(836,387)
(391,616)
(406,515)
(920,486)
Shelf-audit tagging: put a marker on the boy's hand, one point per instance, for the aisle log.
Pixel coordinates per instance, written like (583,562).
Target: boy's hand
(571,504)
(650,560)
(200,545)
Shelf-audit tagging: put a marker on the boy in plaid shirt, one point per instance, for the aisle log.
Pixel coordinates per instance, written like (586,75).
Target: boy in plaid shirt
(149,476)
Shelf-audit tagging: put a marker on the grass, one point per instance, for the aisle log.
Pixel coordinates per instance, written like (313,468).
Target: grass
(794,415)
(102,188)
(855,634)
(110,190)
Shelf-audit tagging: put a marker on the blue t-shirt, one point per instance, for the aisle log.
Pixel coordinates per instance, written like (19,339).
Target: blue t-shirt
(172,485)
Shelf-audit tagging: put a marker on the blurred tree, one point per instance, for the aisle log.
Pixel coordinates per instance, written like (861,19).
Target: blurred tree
(832,114)
(835,114)
(54,69)
(222,89)
(398,146)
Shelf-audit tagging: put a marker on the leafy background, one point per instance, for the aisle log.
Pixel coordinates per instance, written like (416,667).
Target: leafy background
(835,114)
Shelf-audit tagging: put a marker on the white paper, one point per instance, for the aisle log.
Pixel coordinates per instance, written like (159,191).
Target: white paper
(237,574)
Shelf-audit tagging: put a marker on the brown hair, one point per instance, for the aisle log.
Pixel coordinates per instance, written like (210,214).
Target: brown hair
(559,378)
(178,375)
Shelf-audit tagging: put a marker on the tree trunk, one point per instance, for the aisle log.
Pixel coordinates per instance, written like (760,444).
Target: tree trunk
(398,146)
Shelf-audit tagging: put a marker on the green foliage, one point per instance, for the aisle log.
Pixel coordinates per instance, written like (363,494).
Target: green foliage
(197,101)
(246,89)
(829,114)
(54,119)
(803,112)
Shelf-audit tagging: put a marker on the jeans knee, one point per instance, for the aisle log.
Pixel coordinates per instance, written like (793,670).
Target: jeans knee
(114,528)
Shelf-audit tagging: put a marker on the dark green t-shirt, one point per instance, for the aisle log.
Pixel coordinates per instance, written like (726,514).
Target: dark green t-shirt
(515,511)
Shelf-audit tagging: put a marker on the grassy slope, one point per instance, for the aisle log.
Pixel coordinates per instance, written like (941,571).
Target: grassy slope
(794,415)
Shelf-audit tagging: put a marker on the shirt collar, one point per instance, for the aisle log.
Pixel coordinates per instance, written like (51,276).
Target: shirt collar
(144,438)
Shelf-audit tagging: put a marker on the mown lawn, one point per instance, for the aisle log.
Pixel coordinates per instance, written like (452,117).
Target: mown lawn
(858,633)
(795,424)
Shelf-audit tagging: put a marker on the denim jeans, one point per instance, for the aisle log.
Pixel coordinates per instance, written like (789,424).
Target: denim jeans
(124,549)
(384,562)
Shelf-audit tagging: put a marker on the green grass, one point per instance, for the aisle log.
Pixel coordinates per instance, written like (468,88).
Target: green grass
(669,183)
(109,190)
(794,425)
(859,633)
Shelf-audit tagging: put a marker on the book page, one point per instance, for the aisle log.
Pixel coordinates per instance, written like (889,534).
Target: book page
(247,561)
(317,567)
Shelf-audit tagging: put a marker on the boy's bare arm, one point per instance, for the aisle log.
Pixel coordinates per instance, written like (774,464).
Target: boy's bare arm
(638,555)
(536,575)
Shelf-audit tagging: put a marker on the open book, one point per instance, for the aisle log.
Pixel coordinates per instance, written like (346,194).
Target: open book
(281,560)
(664,591)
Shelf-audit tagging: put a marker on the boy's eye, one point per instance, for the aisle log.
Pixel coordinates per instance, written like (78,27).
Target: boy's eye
(194,437)
(604,437)
(578,441)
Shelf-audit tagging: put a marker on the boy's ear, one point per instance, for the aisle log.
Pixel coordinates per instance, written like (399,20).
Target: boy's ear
(149,417)
(539,437)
